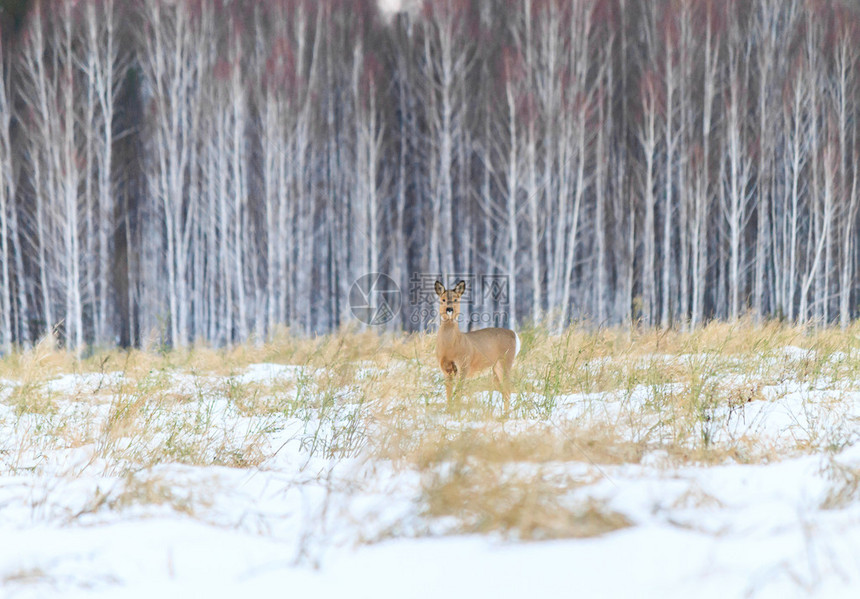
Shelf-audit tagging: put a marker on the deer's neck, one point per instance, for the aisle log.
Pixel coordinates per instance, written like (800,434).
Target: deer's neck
(449,332)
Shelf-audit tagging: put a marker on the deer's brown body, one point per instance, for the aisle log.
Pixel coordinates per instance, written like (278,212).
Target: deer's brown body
(462,354)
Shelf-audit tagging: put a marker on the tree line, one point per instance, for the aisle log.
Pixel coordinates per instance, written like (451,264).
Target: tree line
(183,170)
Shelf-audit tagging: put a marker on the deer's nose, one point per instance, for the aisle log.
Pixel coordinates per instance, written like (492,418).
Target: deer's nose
(449,310)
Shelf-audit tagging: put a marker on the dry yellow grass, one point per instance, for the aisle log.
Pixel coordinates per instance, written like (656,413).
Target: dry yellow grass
(138,488)
(527,506)
(381,396)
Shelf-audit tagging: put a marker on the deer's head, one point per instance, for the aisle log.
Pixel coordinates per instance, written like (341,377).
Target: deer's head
(449,300)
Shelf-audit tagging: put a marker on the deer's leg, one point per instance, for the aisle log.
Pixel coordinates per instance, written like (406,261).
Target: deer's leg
(497,382)
(508,366)
(497,377)
(461,372)
(449,369)
(501,375)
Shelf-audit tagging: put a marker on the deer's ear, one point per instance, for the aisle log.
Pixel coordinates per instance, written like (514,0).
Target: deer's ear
(440,289)
(460,288)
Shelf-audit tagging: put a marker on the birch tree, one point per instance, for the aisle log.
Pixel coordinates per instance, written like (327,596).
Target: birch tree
(8,185)
(735,196)
(171,63)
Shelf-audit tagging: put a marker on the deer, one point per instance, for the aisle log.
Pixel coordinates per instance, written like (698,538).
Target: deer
(462,354)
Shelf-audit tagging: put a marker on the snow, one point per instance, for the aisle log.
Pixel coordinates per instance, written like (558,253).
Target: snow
(268,373)
(797,353)
(74,523)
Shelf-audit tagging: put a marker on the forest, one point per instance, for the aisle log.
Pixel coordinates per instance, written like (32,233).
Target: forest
(175,171)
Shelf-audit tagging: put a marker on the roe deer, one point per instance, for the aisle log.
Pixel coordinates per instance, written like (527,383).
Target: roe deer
(461,354)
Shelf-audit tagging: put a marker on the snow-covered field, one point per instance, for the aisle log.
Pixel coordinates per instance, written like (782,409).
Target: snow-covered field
(285,479)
